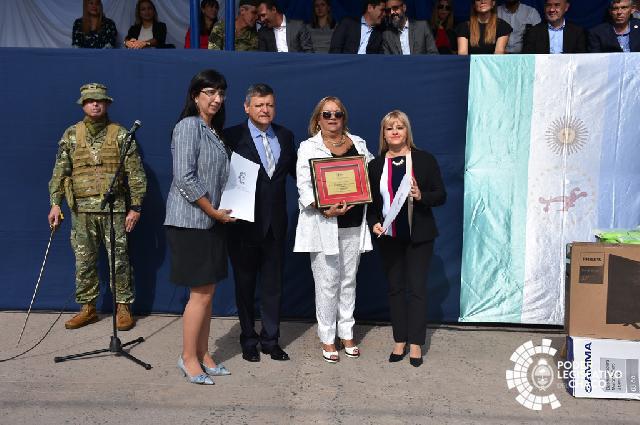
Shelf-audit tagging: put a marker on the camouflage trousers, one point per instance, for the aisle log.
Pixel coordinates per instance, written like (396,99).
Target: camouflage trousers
(88,232)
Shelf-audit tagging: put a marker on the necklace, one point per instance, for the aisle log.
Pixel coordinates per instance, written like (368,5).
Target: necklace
(336,144)
(397,163)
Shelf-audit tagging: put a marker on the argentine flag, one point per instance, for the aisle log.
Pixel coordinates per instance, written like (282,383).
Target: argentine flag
(553,152)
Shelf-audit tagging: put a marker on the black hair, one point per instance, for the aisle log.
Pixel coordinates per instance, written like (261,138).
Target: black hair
(366,3)
(203,28)
(270,4)
(204,79)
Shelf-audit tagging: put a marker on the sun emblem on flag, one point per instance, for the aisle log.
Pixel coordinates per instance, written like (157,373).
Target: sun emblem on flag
(566,133)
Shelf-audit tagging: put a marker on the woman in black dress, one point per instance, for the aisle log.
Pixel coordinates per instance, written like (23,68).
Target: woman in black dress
(484,33)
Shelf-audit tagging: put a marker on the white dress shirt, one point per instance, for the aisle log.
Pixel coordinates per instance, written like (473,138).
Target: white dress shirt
(281,36)
(365,34)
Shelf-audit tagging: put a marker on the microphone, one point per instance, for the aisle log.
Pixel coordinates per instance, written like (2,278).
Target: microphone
(136,125)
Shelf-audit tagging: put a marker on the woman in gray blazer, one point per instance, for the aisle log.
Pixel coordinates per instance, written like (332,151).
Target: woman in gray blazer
(195,231)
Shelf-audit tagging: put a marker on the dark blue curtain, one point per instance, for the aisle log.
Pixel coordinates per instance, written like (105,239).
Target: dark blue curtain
(39,88)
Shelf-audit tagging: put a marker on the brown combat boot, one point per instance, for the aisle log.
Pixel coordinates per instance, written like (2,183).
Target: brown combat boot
(124,319)
(87,315)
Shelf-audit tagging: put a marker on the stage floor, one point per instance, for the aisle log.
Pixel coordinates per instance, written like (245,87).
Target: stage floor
(461,381)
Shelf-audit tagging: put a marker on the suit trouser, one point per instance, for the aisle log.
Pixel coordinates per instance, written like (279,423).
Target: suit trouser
(250,259)
(335,282)
(406,265)
(88,232)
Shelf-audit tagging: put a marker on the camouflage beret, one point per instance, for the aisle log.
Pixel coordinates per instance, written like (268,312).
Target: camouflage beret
(93,91)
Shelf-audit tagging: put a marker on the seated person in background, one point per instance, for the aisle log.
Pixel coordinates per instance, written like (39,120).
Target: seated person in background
(279,34)
(555,35)
(246,34)
(622,34)
(442,27)
(405,36)
(208,18)
(519,17)
(93,30)
(363,36)
(322,25)
(147,32)
(484,33)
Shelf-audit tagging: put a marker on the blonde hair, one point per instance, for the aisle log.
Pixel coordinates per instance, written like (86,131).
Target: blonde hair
(392,116)
(86,21)
(489,30)
(314,125)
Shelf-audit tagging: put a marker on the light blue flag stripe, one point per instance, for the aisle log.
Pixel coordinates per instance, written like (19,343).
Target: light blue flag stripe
(495,198)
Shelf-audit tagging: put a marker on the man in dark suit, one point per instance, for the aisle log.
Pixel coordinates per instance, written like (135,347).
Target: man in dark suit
(258,247)
(405,36)
(555,35)
(278,34)
(622,34)
(360,36)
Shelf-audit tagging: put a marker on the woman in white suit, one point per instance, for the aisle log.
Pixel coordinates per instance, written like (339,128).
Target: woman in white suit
(336,236)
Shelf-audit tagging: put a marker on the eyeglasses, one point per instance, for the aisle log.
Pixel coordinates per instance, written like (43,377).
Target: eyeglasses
(444,7)
(337,114)
(213,92)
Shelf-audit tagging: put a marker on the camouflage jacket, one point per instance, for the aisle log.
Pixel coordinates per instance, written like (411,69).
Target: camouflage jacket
(135,177)
(246,40)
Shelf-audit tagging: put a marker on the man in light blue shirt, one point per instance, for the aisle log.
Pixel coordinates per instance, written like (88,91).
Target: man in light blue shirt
(257,249)
(361,36)
(555,35)
(405,36)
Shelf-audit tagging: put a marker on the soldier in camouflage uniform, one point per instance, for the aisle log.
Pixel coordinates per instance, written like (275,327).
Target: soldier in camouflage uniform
(88,155)
(246,35)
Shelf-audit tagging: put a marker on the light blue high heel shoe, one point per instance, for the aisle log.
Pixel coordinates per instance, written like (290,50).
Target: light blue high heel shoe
(219,370)
(202,379)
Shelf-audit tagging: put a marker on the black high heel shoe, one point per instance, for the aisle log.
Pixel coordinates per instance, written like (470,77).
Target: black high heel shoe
(394,358)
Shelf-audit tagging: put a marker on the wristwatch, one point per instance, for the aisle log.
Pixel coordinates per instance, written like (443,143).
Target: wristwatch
(136,208)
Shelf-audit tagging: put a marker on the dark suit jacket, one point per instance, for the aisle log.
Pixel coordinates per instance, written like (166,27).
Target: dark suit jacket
(298,38)
(346,38)
(603,39)
(159,32)
(421,40)
(427,175)
(536,39)
(271,201)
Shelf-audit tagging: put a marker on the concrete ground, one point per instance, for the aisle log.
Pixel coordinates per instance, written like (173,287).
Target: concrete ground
(462,380)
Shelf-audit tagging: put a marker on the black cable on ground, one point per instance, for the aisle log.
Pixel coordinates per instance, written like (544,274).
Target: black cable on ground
(43,336)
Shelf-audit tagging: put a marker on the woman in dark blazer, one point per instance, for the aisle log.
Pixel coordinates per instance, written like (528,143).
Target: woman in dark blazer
(195,224)
(147,32)
(406,244)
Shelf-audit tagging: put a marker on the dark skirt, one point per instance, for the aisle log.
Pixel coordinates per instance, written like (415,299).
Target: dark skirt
(198,256)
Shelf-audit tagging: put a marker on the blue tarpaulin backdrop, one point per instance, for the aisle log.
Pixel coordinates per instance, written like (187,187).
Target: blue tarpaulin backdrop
(39,87)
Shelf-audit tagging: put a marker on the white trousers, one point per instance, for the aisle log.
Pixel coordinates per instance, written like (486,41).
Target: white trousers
(335,281)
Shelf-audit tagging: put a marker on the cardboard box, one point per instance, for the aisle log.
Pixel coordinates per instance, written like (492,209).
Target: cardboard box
(603,293)
(602,368)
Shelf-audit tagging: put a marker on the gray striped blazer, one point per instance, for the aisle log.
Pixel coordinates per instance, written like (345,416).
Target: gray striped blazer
(200,168)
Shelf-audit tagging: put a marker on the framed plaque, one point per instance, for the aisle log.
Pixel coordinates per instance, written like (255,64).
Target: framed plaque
(340,179)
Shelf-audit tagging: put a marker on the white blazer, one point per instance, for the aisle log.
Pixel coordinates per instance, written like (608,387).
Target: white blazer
(315,232)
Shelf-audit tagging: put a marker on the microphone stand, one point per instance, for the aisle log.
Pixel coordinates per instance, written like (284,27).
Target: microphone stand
(115,345)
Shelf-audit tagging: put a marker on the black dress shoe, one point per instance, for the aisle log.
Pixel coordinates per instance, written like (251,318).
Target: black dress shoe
(393,358)
(415,361)
(251,354)
(276,352)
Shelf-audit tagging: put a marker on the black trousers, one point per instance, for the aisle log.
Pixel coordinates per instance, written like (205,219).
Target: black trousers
(250,260)
(406,265)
